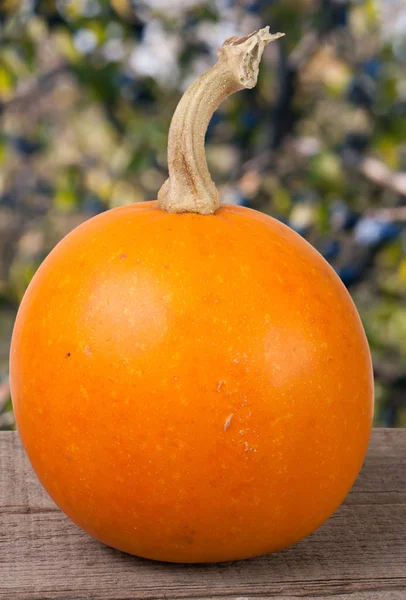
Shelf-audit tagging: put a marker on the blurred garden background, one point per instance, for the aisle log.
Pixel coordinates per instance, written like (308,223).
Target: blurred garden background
(87,91)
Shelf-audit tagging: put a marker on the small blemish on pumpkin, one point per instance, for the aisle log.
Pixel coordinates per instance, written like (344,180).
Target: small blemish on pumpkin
(220,385)
(227,422)
(122,256)
(68,458)
(188,540)
(68,354)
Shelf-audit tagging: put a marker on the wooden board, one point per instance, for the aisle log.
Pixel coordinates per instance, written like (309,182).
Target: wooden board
(359,554)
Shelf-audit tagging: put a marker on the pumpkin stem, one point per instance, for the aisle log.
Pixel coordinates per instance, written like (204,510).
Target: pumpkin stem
(190,187)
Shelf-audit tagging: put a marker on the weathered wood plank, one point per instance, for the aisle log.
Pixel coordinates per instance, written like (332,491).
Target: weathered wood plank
(354,595)
(360,548)
(382,479)
(359,554)
(20,490)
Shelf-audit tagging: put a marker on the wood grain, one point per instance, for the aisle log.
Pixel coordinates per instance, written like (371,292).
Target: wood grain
(359,554)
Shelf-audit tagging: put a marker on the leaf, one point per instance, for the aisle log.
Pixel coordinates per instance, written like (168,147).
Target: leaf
(7,83)
(326,173)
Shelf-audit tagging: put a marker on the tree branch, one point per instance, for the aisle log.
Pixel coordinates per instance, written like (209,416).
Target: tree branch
(44,82)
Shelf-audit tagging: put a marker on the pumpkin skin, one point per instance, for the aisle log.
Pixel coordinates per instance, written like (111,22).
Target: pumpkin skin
(191,388)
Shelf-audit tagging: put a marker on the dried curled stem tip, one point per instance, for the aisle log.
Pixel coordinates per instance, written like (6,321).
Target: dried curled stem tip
(190,187)
(244,54)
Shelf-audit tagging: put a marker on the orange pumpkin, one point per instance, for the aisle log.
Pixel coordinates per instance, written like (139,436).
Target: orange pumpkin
(192,387)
